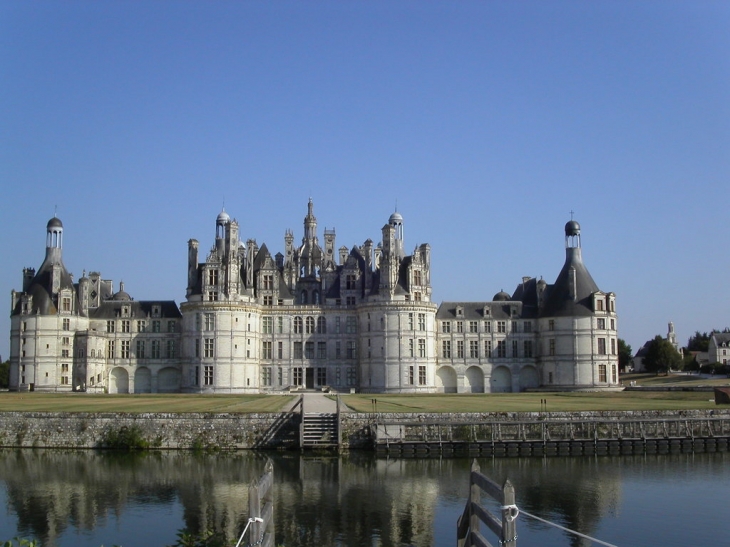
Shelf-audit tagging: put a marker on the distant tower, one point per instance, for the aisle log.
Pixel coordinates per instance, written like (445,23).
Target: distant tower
(671,336)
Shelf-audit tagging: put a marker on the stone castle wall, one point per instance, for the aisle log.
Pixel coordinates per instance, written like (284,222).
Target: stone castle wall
(255,431)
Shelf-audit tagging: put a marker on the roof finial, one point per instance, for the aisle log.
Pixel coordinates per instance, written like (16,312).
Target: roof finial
(571,214)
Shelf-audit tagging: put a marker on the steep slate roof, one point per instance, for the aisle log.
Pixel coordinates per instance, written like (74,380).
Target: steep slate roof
(721,337)
(139,309)
(473,310)
(558,301)
(41,289)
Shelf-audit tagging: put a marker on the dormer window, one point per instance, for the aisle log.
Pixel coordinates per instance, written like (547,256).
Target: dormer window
(459,311)
(156,310)
(487,311)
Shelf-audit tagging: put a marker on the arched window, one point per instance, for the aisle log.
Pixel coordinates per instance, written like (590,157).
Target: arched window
(315,297)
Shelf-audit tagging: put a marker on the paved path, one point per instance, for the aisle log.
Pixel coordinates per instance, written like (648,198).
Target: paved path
(315,402)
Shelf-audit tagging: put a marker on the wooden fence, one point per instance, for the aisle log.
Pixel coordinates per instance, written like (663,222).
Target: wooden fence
(468,528)
(558,437)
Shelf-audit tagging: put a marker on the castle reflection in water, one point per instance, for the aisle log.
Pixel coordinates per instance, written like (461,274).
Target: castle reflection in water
(352,500)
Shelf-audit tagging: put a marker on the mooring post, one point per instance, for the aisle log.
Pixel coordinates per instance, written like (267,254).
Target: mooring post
(509,516)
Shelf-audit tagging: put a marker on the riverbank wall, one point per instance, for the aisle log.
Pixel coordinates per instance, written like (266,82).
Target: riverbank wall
(389,433)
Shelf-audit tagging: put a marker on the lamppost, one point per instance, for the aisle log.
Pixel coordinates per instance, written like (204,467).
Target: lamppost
(250,520)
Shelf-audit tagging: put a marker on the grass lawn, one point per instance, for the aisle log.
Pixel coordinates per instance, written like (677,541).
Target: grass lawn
(527,402)
(687,380)
(82,402)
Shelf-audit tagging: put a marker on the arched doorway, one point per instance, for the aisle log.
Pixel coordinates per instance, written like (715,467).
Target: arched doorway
(143,380)
(118,381)
(446,380)
(501,380)
(168,380)
(529,378)
(474,380)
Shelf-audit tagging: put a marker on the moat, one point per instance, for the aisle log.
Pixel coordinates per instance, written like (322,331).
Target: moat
(87,498)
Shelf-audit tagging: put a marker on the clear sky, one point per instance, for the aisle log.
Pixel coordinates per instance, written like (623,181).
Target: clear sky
(486,123)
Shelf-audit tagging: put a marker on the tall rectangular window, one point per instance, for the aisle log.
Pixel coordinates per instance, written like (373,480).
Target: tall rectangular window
(501,349)
(473,326)
(487,326)
(474,349)
(487,349)
(209,321)
(110,326)
(309,350)
(514,326)
(280,325)
(298,376)
(125,326)
(411,375)
(66,304)
(446,349)
(209,347)
(551,324)
(501,326)
(321,325)
(421,321)
(514,349)
(528,348)
(322,376)
(140,349)
(321,350)
(602,346)
(171,349)
(155,326)
(212,277)
(527,326)
(459,349)
(265,376)
(602,373)
(351,325)
(446,327)
(125,349)
(208,375)
(171,326)
(422,347)
(411,348)
(410,321)
(266,350)
(551,346)
(459,326)
(267,325)
(421,375)
(351,349)
(110,349)
(310,325)
(155,352)
(338,349)
(268,282)
(600,323)
(298,350)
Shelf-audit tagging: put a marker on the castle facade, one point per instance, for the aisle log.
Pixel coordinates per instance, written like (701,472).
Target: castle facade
(315,317)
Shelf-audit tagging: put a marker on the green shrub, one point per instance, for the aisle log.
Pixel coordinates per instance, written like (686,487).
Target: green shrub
(125,438)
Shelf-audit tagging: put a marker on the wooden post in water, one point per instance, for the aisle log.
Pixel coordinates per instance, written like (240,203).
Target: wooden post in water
(261,505)
(509,514)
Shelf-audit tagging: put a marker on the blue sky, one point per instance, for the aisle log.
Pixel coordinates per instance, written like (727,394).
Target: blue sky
(487,123)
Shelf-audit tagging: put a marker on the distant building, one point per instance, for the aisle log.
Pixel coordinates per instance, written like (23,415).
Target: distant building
(718,348)
(310,317)
(638,361)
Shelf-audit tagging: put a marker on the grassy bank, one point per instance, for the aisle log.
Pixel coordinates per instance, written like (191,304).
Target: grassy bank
(82,402)
(532,402)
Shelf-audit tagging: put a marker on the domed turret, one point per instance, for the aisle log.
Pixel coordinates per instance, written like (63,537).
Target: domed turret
(122,295)
(55,222)
(572,228)
(501,296)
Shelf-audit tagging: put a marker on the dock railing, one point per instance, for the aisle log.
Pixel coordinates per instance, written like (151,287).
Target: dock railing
(261,508)
(468,529)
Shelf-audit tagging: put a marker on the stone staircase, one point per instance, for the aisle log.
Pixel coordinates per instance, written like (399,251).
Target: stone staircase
(319,430)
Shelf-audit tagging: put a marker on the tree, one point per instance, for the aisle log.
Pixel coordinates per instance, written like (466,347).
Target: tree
(625,354)
(4,374)
(661,356)
(699,341)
